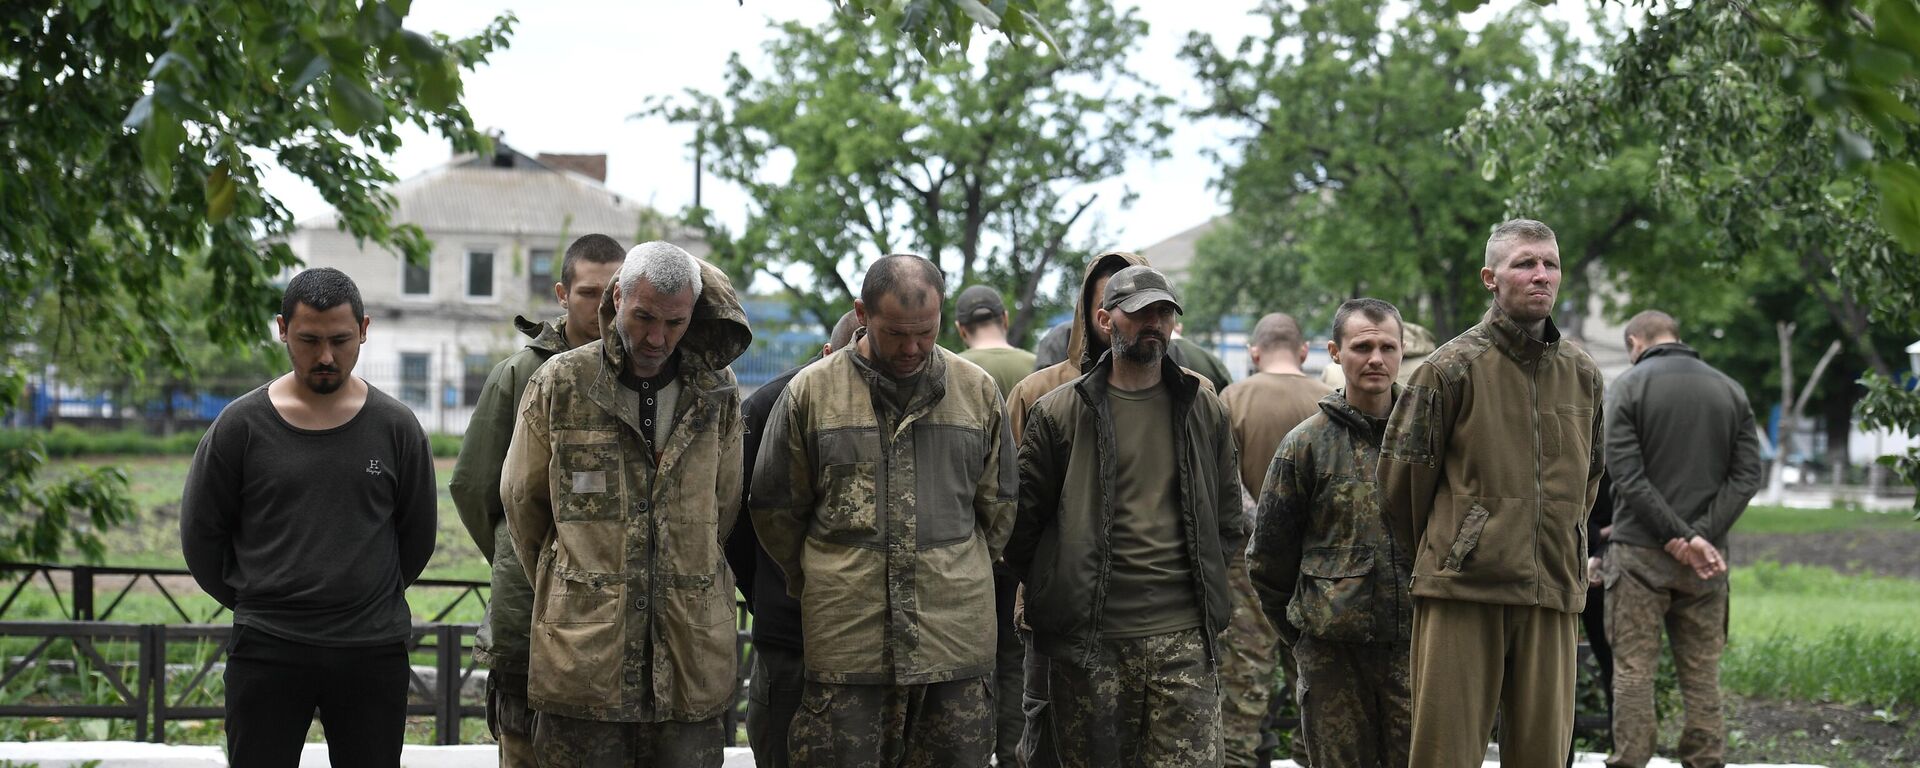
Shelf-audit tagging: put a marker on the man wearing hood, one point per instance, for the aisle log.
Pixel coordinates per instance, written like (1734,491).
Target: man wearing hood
(1129,515)
(884,491)
(1491,460)
(620,486)
(501,643)
(1329,575)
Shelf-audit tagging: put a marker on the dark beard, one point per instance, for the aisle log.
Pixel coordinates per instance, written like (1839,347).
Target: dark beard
(1138,351)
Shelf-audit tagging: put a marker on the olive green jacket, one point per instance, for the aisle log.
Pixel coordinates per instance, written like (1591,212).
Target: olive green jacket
(633,609)
(1491,462)
(501,643)
(1322,559)
(887,525)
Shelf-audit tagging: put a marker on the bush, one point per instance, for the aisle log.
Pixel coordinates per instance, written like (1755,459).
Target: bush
(445,446)
(66,441)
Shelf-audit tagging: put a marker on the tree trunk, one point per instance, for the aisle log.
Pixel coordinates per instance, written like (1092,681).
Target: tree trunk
(1791,409)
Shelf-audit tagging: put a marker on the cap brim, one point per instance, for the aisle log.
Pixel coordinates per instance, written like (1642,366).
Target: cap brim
(1139,301)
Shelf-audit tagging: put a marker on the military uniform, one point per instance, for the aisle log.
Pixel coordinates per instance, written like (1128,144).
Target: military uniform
(1335,583)
(632,643)
(1490,463)
(1263,407)
(1685,461)
(886,508)
(1120,693)
(501,643)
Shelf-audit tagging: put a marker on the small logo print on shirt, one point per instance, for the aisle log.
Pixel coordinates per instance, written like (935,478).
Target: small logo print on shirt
(373,467)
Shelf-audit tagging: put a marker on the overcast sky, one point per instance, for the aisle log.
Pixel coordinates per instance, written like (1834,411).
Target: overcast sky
(576,71)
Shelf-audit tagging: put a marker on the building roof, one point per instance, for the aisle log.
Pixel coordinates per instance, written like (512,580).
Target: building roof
(513,193)
(1174,255)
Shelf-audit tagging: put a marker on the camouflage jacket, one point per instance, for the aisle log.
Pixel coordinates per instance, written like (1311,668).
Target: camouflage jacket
(887,528)
(633,612)
(1061,548)
(501,643)
(1491,461)
(1322,559)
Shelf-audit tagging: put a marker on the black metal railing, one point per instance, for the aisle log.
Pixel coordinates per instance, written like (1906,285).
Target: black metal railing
(160,692)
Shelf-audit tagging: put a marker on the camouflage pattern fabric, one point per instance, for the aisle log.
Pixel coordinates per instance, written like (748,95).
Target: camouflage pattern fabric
(565,742)
(1646,590)
(935,725)
(1356,708)
(1247,662)
(1151,701)
(511,723)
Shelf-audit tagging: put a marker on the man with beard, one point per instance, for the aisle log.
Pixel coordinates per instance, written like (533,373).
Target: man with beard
(1331,578)
(1492,459)
(1129,515)
(620,485)
(501,643)
(884,490)
(308,510)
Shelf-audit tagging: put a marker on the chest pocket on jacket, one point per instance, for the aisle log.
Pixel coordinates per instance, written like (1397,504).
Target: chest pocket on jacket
(948,463)
(848,509)
(589,482)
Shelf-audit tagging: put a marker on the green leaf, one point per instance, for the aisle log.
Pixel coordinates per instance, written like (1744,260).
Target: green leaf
(1897,24)
(220,193)
(351,105)
(140,114)
(315,66)
(1899,184)
(160,141)
(980,14)
(439,84)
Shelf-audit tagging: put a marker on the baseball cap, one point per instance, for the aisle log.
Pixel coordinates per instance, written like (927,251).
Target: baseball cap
(977,303)
(1133,288)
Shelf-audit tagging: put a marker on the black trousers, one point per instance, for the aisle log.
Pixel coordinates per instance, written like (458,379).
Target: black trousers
(274,685)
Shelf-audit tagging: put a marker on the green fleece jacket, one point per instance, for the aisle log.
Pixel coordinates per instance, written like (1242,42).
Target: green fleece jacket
(1491,461)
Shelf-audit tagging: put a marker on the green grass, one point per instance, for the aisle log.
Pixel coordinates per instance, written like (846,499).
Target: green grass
(1813,633)
(1759,519)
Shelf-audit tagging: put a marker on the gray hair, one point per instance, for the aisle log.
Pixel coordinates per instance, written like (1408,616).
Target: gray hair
(667,266)
(1522,230)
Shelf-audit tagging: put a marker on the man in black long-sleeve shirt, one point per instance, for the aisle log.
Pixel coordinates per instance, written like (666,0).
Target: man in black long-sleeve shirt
(307,511)
(773,692)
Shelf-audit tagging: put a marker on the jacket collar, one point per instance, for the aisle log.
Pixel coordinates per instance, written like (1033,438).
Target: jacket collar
(931,385)
(1514,340)
(1341,412)
(1092,385)
(548,336)
(1669,349)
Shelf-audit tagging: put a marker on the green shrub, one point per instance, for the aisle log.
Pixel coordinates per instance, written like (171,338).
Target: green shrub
(445,446)
(66,441)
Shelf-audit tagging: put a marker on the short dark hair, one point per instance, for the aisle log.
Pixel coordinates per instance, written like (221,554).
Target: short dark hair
(843,330)
(895,273)
(595,248)
(1277,331)
(1373,309)
(322,288)
(1652,324)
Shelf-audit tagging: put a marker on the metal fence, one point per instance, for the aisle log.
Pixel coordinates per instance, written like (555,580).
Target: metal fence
(153,689)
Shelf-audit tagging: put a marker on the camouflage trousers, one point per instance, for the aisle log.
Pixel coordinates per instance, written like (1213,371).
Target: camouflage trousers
(1247,662)
(1150,701)
(565,742)
(1356,709)
(511,723)
(912,726)
(1646,590)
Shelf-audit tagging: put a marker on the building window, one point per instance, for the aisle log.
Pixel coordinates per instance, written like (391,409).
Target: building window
(474,378)
(415,279)
(540,277)
(413,379)
(480,274)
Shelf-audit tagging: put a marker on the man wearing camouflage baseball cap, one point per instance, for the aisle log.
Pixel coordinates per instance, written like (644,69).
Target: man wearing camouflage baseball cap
(1129,513)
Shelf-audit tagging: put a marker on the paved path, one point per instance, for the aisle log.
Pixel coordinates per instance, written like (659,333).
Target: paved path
(131,754)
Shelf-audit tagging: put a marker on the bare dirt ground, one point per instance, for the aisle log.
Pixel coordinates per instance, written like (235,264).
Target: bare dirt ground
(1877,552)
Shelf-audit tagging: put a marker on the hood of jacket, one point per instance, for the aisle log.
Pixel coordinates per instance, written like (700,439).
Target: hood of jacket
(549,336)
(1416,342)
(716,336)
(1083,350)
(1341,412)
